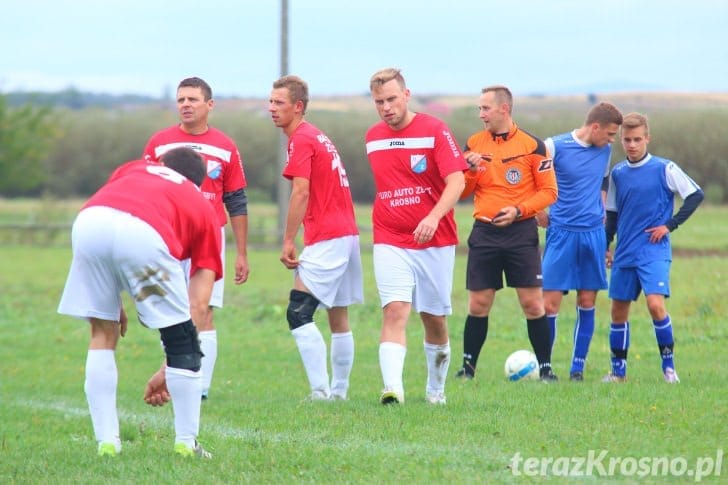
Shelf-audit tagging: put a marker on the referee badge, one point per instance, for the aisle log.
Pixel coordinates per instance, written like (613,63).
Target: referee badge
(513,176)
(418,163)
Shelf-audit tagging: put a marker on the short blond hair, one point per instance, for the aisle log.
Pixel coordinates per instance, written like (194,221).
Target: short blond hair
(384,76)
(635,120)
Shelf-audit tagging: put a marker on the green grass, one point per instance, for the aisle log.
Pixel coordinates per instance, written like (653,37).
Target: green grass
(260,431)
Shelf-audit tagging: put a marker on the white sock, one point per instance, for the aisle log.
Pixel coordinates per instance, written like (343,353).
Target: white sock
(438,363)
(391,362)
(184,388)
(208,345)
(342,360)
(312,348)
(100,387)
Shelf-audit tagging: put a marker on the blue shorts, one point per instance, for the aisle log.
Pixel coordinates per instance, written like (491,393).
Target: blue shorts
(574,260)
(653,278)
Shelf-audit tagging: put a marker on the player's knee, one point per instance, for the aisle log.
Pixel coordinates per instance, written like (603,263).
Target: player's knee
(301,308)
(182,346)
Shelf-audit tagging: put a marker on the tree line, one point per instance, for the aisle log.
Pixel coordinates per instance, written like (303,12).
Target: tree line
(67,152)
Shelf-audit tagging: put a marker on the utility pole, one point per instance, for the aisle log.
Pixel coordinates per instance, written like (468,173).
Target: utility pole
(283,184)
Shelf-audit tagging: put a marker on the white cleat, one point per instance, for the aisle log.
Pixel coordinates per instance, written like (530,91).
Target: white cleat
(671,376)
(437,399)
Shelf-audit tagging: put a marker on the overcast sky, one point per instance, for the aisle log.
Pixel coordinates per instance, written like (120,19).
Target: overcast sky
(442,47)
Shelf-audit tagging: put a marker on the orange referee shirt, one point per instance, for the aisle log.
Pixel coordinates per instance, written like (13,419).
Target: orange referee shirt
(515,170)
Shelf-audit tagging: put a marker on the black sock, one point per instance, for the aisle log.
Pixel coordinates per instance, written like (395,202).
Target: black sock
(476,331)
(539,333)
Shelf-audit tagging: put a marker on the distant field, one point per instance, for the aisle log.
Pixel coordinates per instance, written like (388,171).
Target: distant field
(47,222)
(635,100)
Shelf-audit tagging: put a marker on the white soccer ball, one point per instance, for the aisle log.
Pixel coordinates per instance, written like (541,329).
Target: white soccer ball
(522,365)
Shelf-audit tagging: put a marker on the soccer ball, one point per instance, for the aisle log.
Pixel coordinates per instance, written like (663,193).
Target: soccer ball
(521,365)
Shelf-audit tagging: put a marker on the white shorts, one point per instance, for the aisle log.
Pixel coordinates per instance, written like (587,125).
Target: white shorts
(218,289)
(331,270)
(422,277)
(113,252)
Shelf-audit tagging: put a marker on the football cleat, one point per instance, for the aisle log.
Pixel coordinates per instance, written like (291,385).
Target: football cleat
(464,374)
(437,399)
(576,376)
(547,375)
(198,451)
(671,376)
(613,378)
(316,396)
(108,449)
(390,396)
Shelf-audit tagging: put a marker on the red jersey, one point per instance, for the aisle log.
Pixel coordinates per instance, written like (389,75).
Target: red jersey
(221,155)
(409,168)
(153,193)
(330,211)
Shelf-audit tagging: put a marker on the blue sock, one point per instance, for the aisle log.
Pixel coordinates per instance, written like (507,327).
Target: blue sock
(552,326)
(619,343)
(663,333)
(583,332)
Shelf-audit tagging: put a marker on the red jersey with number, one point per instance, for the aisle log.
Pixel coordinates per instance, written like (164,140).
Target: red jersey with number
(409,168)
(330,210)
(169,203)
(221,156)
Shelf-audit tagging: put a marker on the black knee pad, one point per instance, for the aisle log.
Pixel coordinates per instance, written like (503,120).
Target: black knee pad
(182,346)
(301,308)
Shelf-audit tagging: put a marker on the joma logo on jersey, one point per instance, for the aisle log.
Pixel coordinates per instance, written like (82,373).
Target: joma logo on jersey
(396,143)
(513,176)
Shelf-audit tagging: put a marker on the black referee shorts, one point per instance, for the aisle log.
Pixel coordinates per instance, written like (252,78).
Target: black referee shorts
(513,250)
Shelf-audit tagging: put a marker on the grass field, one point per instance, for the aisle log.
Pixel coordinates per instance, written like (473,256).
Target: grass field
(260,431)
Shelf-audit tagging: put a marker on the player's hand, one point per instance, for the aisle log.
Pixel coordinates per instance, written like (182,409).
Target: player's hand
(657,233)
(425,230)
(242,270)
(505,217)
(608,258)
(288,255)
(473,160)
(156,392)
(542,219)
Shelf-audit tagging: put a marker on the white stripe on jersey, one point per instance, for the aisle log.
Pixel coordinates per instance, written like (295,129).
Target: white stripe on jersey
(201,148)
(398,143)
(679,182)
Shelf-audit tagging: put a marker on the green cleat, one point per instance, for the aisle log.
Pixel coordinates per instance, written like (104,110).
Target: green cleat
(107,449)
(183,450)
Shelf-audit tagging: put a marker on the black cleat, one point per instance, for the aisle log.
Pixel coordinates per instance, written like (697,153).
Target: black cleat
(547,376)
(576,376)
(464,374)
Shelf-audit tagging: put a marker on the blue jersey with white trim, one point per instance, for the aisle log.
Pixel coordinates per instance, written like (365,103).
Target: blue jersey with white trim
(580,170)
(643,195)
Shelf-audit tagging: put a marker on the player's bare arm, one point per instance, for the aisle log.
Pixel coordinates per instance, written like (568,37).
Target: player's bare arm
(454,185)
(297,205)
(239,225)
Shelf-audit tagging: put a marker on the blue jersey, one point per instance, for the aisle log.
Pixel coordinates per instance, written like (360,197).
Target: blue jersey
(580,170)
(643,196)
